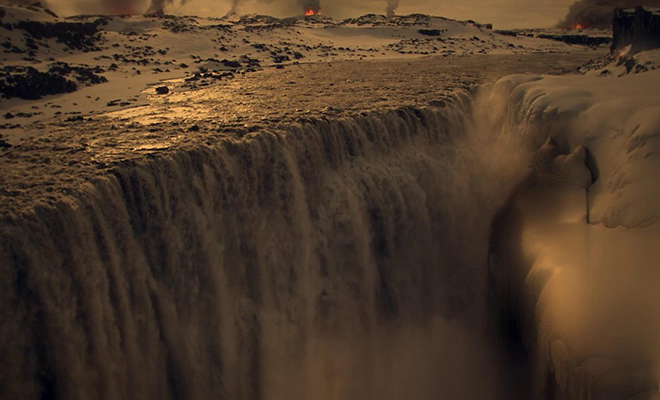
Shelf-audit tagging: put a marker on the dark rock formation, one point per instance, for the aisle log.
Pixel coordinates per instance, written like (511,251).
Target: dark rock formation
(162,90)
(429,32)
(598,13)
(30,84)
(584,40)
(75,35)
(639,27)
(506,32)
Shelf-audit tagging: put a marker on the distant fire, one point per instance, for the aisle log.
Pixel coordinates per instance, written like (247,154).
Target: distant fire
(577,26)
(312,12)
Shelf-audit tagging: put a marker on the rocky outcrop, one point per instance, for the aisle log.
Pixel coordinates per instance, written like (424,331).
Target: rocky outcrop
(639,27)
(30,84)
(585,40)
(75,35)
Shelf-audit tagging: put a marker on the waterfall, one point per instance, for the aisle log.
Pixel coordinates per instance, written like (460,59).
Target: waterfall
(333,259)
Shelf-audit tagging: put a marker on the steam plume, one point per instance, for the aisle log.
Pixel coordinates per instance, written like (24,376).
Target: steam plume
(392,5)
(234,8)
(158,6)
(599,13)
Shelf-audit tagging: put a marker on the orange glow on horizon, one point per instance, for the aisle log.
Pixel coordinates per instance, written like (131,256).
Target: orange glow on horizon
(311,12)
(578,26)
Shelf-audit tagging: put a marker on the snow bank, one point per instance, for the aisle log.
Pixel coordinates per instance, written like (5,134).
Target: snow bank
(574,257)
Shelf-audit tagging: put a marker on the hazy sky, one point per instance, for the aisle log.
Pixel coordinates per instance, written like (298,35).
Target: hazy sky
(502,13)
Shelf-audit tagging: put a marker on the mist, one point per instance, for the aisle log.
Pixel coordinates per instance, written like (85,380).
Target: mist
(599,13)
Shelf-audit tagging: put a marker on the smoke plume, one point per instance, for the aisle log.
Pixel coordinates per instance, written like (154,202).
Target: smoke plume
(24,2)
(313,5)
(158,6)
(118,7)
(392,5)
(599,13)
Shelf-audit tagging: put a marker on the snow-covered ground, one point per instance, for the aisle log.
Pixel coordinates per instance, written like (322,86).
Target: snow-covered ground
(575,256)
(136,54)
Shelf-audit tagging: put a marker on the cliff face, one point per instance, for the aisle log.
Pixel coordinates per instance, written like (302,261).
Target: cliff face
(639,27)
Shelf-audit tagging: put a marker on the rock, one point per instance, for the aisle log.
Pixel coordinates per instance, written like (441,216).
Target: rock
(162,90)
(639,28)
(507,32)
(280,59)
(231,64)
(29,84)
(585,40)
(75,35)
(430,32)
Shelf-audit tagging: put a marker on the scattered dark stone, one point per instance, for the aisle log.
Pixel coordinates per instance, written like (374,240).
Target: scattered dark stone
(82,74)
(162,90)
(77,118)
(231,64)
(9,116)
(194,128)
(29,84)
(75,35)
(183,65)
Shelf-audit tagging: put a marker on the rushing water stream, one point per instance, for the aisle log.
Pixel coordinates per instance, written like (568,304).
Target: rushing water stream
(338,259)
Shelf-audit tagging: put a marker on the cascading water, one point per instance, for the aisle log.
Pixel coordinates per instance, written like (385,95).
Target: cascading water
(339,259)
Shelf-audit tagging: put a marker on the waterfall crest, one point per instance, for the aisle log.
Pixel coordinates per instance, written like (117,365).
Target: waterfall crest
(277,266)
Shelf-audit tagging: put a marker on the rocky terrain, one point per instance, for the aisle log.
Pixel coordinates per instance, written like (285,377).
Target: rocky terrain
(54,69)
(78,147)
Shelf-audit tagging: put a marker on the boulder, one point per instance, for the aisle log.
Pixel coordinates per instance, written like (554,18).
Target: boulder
(639,27)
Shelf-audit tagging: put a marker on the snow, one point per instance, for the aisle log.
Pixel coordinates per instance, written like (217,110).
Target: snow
(623,64)
(138,53)
(576,252)
(586,264)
